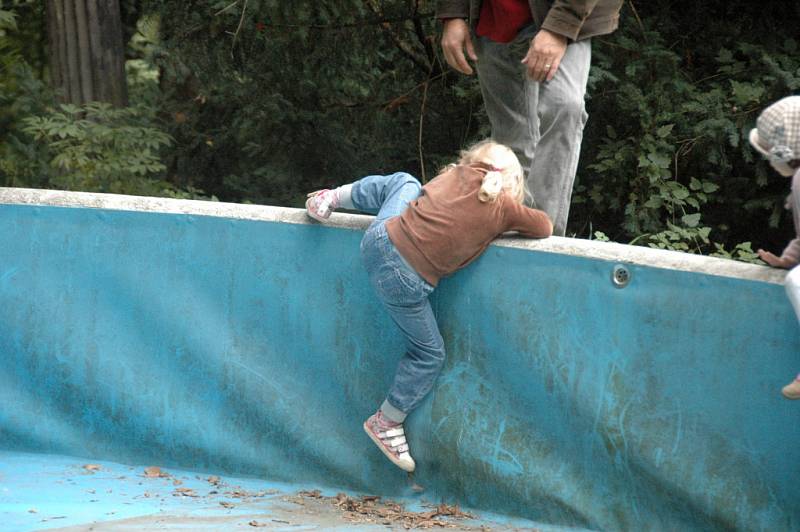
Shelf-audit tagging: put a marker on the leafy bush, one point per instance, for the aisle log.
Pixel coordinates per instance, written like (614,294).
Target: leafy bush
(22,93)
(270,99)
(97,147)
(666,160)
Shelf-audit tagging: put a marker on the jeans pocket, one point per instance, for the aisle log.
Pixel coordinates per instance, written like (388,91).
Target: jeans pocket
(409,280)
(398,286)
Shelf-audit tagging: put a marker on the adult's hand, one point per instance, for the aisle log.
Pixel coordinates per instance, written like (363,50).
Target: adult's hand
(544,55)
(775,261)
(456,38)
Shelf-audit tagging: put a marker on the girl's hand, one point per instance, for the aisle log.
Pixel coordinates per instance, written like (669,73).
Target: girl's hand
(775,261)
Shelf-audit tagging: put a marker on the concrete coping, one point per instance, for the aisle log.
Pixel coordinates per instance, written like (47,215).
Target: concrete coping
(607,251)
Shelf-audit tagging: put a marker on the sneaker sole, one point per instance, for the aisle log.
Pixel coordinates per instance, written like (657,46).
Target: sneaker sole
(313,215)
(386,453)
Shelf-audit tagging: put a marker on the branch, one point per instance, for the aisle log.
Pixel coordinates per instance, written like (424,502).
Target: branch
(419,135)
(239,27)
(408,49)
(636,14)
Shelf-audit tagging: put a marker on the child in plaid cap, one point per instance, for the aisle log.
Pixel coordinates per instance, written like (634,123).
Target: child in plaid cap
(777,137)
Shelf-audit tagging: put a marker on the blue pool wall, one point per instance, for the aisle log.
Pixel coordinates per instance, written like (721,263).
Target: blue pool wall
(246,340)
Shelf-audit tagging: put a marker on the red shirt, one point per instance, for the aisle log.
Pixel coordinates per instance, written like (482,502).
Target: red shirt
(501,20)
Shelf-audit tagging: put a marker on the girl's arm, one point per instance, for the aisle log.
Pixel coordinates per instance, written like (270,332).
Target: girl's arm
(530,223)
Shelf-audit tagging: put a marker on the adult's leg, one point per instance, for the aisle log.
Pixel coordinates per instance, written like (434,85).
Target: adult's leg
(509,100)
(542,122)
(385,195)
(562,115)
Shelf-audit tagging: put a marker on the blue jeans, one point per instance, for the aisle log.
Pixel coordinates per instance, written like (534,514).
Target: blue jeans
(401,290)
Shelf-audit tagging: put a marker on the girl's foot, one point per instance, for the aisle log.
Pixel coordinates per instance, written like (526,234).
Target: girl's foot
(320,204)
(391,440)
(792,390)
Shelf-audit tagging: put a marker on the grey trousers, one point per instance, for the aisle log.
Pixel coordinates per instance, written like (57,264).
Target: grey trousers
(542,122)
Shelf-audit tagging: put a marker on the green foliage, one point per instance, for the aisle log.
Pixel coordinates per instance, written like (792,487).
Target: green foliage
(8,21)
(22,93)
(666,162)
(98,147)
(22,161)
(270,99)
(742,252)
(95,147)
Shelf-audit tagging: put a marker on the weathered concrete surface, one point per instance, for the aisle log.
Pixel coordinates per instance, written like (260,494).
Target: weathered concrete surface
(49,492)
(222,338)
(568,246)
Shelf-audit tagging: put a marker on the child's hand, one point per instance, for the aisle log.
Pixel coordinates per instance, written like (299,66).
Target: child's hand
(774,261)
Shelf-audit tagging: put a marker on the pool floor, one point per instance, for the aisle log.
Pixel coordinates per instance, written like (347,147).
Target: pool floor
(51,492)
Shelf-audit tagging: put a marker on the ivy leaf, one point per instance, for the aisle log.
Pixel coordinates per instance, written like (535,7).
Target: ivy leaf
(709,187)
(691,220)
(664,131)
(658,159)
(680,193)
(725,56)
(654,202)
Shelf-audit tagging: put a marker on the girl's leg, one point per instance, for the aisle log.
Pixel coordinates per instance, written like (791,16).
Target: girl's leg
(385,196)
(422,361)
(404,294)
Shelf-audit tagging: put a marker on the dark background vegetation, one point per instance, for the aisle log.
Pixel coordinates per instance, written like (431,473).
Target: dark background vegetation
(262,100)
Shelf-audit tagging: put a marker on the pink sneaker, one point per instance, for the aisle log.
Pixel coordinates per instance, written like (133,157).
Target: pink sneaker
(792,390)
(391,440)
(320,204)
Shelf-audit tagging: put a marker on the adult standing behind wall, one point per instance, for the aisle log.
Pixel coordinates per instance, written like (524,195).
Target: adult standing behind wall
(533,59)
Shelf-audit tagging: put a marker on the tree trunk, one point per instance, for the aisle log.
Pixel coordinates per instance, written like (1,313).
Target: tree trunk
(87,56)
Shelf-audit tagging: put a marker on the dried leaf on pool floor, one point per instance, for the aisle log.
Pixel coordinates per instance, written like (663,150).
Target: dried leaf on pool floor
(371,508)
(155,472)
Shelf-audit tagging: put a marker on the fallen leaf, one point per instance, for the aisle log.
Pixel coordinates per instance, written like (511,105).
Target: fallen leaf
(154,472)
(92,467)
(256,523)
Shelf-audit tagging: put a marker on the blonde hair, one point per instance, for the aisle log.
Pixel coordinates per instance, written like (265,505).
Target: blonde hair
(505,173)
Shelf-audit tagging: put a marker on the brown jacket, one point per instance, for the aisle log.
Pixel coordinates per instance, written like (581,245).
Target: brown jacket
(448,227)
(574,19)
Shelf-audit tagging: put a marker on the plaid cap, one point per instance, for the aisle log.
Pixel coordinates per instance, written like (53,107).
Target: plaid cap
(777,131)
